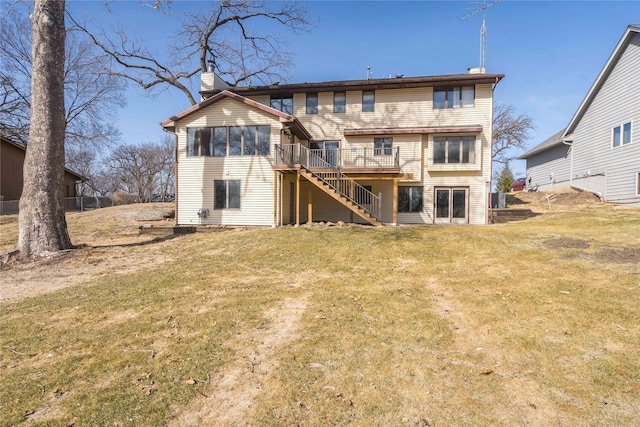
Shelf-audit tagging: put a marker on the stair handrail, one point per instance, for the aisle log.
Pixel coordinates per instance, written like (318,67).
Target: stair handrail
(341,183)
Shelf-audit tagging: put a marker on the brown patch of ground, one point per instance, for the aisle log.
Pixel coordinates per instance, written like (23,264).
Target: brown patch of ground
(619,255)
(567,243)
(541,201)
(107,240)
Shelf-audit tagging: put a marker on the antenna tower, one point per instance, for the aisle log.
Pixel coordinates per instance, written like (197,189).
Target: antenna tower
(482,6)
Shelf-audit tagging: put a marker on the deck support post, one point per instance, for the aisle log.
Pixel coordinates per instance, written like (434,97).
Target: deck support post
(395,202)
(310,207)
(298,198)
(275,198)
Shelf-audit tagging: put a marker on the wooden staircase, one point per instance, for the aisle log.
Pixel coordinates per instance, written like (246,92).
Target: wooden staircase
(345,190)
(341,198)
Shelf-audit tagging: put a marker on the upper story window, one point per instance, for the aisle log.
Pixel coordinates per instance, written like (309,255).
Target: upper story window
(339,102)
(368,100)
(283,103)
(382,146)
(454,149)
(454,97)
(312,103)
(224,141)
(622,135)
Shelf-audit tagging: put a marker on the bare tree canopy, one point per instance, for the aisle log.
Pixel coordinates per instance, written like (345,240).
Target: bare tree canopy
(91,94)
(42,226)
(241,36)
(509,132)
(144,170)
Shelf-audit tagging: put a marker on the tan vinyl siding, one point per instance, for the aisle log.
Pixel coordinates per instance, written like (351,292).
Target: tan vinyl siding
(197,174)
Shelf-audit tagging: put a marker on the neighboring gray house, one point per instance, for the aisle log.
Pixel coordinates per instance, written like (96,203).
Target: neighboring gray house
(599,151)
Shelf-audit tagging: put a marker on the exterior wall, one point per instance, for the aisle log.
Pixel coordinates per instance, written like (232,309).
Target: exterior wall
(11,175)
(196,174)
(11,162)
(617,102)
(406,108)
(551,169)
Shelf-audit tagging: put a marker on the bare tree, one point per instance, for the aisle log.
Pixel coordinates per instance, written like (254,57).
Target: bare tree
(143,169)
(91,94)
(509,132)
(42,225)
(224,32)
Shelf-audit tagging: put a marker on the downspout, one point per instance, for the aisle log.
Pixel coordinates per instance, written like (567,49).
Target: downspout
(490,218)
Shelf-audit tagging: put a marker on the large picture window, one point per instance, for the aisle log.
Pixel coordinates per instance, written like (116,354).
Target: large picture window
(410,199)
(226,194)
(454,97)
(229,141)
(454,149)
(622,135)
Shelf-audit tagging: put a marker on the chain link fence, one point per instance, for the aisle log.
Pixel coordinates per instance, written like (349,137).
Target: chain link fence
(10,207)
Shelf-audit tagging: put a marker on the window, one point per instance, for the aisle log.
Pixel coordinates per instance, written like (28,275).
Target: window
(454,149)
(283,103)
(229,141)
(454,97)
(339,102)
(410,199)
(312,103)
(226,194)
(382,146)
(368,100)
(622,135)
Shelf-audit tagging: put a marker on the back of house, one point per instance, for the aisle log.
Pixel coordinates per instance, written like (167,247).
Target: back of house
(404,150)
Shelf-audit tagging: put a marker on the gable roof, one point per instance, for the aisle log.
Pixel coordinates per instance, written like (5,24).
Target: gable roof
(22,147)
(547,144)
(291,122)
(629,33)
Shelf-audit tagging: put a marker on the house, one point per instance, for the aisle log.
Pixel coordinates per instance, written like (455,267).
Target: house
(404,150)
(599,150)
(11,178)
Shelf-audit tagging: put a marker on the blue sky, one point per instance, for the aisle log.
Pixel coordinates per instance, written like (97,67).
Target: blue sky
(550,51)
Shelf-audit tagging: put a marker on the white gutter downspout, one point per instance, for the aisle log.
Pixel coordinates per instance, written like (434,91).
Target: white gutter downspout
(569,142)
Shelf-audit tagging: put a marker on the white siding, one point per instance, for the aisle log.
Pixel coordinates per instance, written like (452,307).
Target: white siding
(196,174)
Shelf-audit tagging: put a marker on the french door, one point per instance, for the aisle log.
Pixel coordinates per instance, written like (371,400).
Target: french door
(327,150)
(451,205)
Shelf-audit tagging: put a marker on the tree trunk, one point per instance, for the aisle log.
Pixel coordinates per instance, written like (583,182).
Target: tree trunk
(42,223)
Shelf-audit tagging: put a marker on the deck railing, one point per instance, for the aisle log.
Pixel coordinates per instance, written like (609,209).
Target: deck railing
(346,158)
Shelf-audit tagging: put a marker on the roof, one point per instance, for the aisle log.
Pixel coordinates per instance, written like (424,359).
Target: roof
(291,122)
(545,145)
(629,33)
(24,148)
(398,82)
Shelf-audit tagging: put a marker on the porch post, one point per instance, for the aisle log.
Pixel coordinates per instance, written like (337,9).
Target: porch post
(310,206)
(297,198)
(395,201)
(275,198)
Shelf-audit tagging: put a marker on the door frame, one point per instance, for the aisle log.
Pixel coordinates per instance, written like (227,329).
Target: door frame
(450,219)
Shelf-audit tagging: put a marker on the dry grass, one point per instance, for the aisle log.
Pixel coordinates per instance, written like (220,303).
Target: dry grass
(522,323)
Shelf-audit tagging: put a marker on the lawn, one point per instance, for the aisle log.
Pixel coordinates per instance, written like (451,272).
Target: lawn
(525,323)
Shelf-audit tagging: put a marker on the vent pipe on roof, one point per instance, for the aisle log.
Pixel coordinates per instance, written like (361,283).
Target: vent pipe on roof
(368,73)
(211,66)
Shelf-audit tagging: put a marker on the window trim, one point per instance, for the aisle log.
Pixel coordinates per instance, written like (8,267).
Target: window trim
(228,196)
(622,135)
(372,106)
(344,105)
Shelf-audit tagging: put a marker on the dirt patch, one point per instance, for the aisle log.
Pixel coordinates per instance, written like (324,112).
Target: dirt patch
(551,200)
(619,255)
(567,243)
(107,240)
(231,394)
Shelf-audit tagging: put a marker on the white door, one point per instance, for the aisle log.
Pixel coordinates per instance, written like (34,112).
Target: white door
(451,205)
